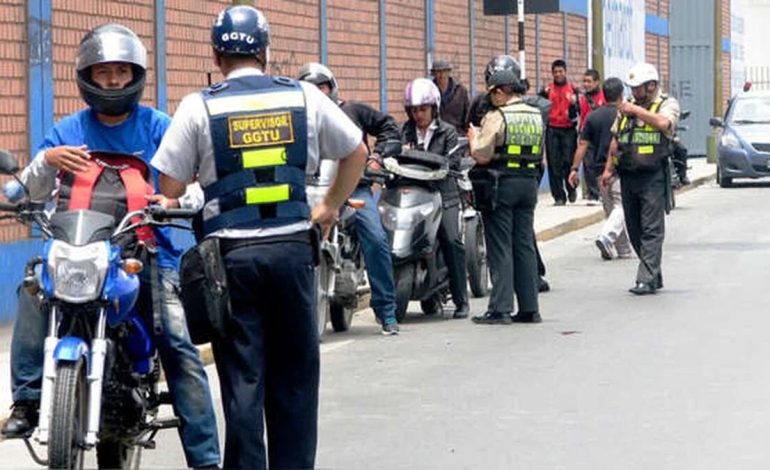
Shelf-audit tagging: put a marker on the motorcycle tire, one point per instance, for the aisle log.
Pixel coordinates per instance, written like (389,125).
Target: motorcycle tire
(69,416)
(341,317)
(476,257)
(432,306)
(404,278)
(323,274)
(116,454)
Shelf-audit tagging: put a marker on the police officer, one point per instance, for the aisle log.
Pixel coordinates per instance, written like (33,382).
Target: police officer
(643,136)
(509,147)
(368,225)
(250,141)
(481,105)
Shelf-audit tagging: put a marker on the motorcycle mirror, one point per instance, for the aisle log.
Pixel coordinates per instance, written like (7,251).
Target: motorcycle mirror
(8,163)
(391,148)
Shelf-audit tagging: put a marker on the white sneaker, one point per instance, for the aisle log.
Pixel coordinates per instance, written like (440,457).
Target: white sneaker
(606,249)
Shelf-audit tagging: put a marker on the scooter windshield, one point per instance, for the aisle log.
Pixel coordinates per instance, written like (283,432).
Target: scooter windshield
(82,227)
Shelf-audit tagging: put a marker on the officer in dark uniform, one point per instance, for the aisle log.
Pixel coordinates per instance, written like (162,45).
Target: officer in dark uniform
(508,150)
(250,141)
(481,105)
(643,141)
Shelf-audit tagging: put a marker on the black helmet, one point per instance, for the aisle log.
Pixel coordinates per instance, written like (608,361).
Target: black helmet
(240,30)
(318,74)
(111,43)
(503,62)
(502,78)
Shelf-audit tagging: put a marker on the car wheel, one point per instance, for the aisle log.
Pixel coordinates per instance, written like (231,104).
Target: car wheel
(724,182)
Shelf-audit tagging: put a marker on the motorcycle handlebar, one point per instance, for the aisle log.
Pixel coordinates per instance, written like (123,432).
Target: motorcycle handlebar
(7,207)
(161,213)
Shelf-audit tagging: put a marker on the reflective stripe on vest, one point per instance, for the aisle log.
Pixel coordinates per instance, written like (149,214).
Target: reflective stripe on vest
(523,135)
(259,134)
(82,191)
(641,141)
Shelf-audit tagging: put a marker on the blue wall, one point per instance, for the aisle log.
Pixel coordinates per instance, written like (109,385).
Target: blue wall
(13,257)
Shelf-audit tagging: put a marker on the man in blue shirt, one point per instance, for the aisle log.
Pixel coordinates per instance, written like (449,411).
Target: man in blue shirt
(111,68)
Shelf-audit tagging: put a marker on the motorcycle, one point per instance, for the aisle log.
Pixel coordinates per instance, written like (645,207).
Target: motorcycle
(472,231)
(341,275)
(677,162)
(411,211)
(101,368)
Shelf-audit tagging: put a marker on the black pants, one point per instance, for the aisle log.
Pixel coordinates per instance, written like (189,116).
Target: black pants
(453,251)
(644,203)
(511,250)
(269,365)
(560,144)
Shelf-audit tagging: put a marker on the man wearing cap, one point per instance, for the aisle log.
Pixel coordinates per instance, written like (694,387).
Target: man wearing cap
(455,100)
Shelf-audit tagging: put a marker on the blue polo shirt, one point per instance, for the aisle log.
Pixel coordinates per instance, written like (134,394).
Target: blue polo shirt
(139,135)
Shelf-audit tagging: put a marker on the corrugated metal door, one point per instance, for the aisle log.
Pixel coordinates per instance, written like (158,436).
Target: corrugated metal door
(691,30)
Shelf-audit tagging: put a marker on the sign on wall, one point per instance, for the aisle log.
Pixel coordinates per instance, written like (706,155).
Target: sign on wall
(623,35)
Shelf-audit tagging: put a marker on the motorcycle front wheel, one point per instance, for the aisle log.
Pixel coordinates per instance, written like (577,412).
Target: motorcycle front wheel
(476,257)
(323,275)
(69,414)
(341,317)
(404,277)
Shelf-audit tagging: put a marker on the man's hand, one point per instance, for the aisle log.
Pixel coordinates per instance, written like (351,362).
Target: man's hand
(163,201)
(324,215)
(572,98)
(68,158)
(629,109)
(605,181)
(573,178)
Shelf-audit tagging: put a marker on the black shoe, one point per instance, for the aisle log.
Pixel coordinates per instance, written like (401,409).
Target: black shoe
(462,311)
(527,317)
(642,288)
(542,285)
(23,420)
(684,180)
(492,318)
(659,283)
(572,196)
(560,203)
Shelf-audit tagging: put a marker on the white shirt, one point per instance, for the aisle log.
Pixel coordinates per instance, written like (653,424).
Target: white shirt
(425,138)
(186,151)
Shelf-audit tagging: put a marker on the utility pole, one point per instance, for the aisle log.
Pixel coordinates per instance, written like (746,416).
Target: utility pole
(597,34)
(718,57)
(521,40)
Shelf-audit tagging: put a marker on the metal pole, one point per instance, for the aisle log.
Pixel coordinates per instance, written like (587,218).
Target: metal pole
(717,57)
(507,33)
(597,33)
(383,57)
(323,31)
(522,63)
(472,45)
(430,38)
(537,52)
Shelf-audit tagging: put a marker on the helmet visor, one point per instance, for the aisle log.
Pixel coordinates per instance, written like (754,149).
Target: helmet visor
(111,46)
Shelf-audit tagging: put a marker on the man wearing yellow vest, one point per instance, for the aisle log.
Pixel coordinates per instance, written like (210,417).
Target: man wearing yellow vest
(250,141)
(508,150)
(643,133)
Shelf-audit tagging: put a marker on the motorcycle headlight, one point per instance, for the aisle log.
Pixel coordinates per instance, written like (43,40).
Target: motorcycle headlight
(730,140)
(78,272)
(399,218)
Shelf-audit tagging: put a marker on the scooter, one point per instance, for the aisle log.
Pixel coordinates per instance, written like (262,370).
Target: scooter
(677,162)
(101,368)
(472,231)
(341,274)
(411,210)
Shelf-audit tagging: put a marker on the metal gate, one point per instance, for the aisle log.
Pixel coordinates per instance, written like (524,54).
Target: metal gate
(691,30)
(759,76)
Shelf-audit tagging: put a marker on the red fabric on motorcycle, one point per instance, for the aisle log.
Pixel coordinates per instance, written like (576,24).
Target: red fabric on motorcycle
(133,173)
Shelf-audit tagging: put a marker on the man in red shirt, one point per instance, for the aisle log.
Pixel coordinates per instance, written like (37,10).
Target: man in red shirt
(561,135)
(591,98)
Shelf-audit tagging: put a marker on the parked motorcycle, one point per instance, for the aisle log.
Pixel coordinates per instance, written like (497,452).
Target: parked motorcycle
(677,162)
(472,231)
(101,368)
(341,275)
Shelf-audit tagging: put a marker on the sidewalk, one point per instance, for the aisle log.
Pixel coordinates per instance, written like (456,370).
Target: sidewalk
(550,222)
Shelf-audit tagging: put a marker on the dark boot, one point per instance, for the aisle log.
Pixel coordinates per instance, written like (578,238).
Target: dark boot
(23,419)
(527,317)
(492,318)
(462,310)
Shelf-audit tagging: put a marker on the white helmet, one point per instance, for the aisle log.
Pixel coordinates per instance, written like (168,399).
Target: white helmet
(422,91)
(318,74)
(642,73)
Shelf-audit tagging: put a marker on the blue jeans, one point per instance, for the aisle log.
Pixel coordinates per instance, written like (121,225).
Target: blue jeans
(379,265)
(181,362)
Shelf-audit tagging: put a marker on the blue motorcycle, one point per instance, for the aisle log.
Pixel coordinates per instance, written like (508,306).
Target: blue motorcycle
(101,368)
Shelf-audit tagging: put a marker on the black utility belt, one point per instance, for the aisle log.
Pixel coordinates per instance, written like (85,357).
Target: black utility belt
(305,236)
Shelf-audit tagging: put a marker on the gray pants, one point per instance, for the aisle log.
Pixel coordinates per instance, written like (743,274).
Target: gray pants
(510,240)
(614,227)
(644,203)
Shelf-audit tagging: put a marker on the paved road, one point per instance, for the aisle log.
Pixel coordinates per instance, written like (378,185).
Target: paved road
(608,381)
